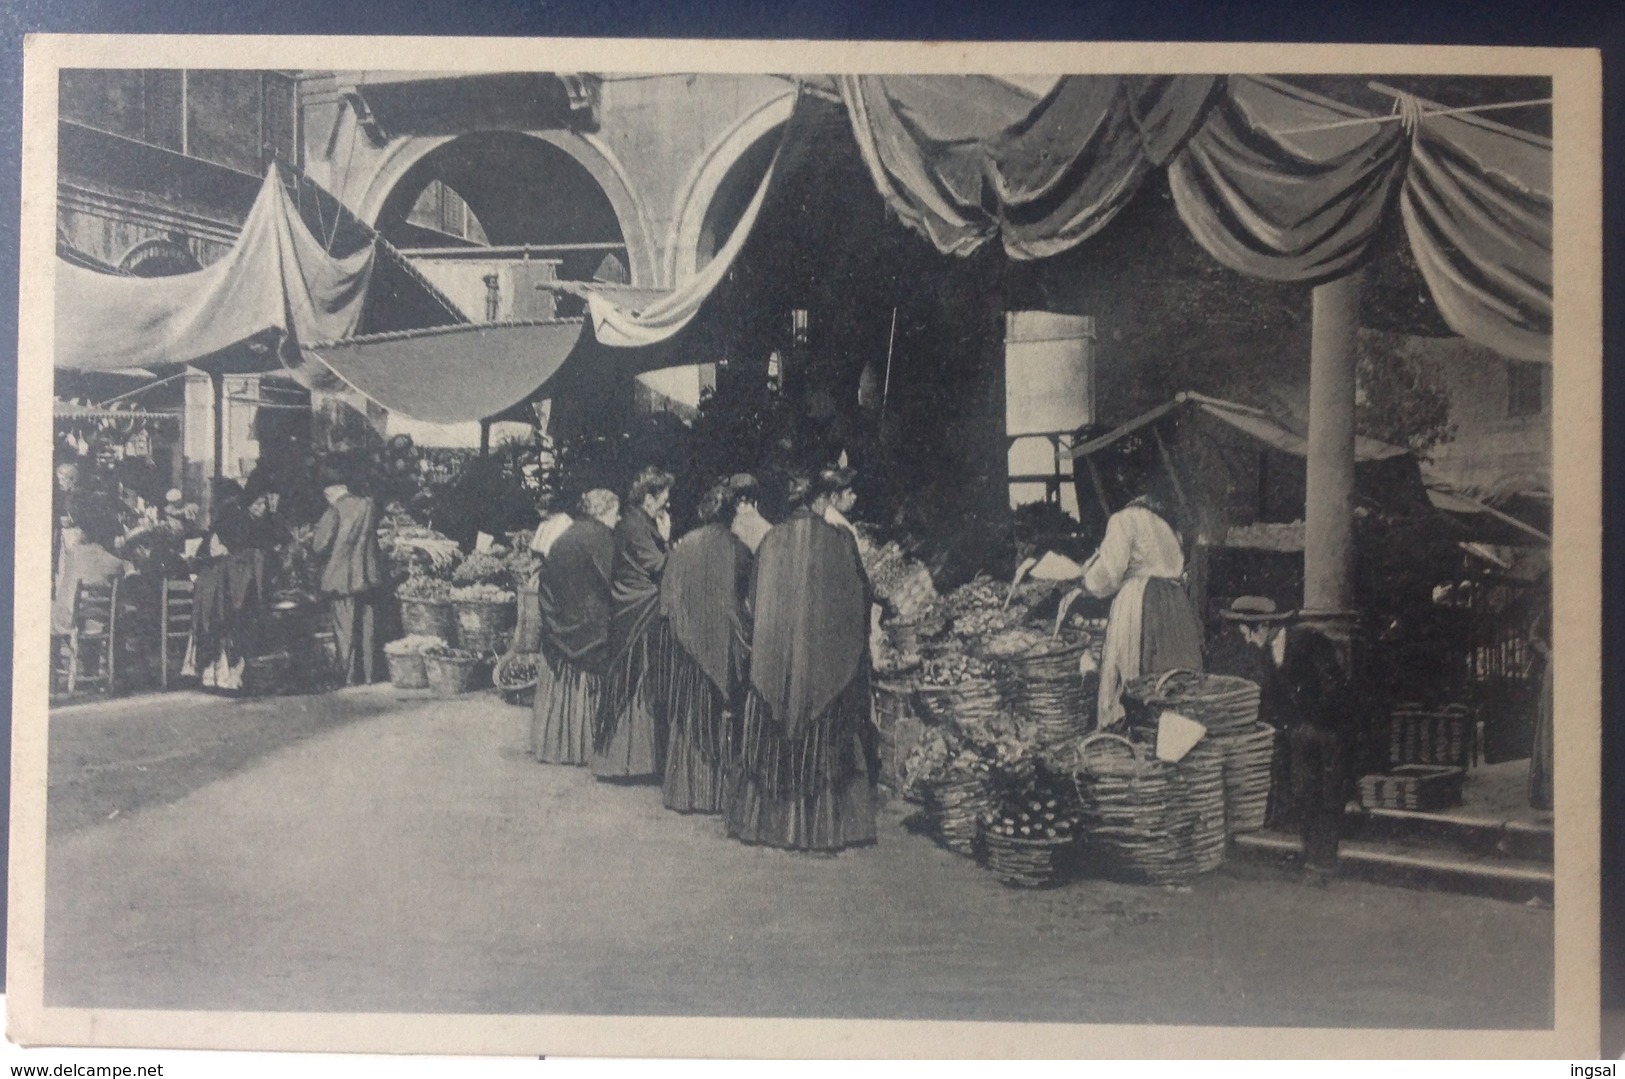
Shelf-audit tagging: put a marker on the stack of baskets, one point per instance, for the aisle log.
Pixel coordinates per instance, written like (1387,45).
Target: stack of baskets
(1136,819)
(1249,771)
(1204,770)
(1228,707)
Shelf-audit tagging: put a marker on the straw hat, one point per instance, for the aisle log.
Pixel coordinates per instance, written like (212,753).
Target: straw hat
(1253,609)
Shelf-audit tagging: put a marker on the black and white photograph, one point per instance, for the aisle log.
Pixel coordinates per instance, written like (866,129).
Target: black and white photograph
(943,560)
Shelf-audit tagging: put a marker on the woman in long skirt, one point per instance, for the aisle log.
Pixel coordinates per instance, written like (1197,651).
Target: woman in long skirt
(806,774)
(1153,626)
(703,596)
(628,738)
(574,595)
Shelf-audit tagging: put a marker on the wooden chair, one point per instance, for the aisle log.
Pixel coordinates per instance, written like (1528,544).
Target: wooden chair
(91,655)
(175,614)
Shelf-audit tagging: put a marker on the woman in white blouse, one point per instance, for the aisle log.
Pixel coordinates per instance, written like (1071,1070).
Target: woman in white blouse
(1153,627)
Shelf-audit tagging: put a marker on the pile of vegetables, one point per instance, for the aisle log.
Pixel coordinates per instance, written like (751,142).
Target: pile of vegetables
(483,592)
(421,586)
(957,668)
(416,644)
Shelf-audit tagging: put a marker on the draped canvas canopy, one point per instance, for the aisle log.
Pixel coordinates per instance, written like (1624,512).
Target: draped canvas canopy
(278,276)
(1271,180)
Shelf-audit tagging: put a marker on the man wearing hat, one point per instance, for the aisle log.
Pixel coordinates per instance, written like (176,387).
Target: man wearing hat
(1253,646)
(347,536)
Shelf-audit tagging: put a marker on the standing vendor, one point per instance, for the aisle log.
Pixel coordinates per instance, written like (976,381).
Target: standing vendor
(347,535)
(1153,626)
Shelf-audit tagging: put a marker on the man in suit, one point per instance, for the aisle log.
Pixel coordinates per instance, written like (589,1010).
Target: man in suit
(347,535)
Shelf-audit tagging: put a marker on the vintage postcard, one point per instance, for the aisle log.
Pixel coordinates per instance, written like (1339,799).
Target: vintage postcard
(799,549)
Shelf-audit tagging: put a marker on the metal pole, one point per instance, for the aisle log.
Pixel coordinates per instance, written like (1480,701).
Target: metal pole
(891,341)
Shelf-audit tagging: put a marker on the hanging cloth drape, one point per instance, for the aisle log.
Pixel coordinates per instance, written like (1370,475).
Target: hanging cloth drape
(1477,205)
(1271,180)
(619,324)
(278,276)
(963,159)
(1298,208)
(447,374)
(1271,189)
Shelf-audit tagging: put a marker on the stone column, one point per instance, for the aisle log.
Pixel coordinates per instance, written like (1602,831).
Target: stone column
(1328,558)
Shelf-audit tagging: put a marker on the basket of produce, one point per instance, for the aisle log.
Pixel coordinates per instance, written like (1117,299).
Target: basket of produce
(485,617)
(955,805)
(1035,656)
(405,659)
(978,609)
(961,690)
(1134,817)
(1029,837)
(903,583)
(426,607)
(1218,702)
(1418,787)
(1203,770)
(450,671)
(516,675)
(1444,737)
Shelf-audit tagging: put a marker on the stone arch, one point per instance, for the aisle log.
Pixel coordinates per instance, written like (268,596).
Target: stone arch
(161,257)
(707,178)
(587,151)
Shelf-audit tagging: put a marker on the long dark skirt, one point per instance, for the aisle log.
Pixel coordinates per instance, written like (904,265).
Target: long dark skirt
(567,700)
(1541,791)
(1170,631)
(705,736)
(814,791)
(629,736)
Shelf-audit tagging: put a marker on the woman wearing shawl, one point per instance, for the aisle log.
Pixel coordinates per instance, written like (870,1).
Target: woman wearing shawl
(1152,626)
(574,593)
(702,597)
(805,780)
(627,738)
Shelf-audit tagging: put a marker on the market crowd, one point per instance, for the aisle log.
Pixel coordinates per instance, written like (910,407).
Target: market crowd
(732,664)
(283,558)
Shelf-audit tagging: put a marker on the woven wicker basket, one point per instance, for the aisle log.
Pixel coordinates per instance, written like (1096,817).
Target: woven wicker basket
(484,625)
(450,675)
(954,810)
(1026,863)
(406,671)
(429,618)
(1249,769)
(898,727)
(1203,770)
(1218,702)
(967,704)
(507,678)
(1135,819)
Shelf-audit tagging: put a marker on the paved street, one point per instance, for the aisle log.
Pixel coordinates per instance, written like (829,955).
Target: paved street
(364,852)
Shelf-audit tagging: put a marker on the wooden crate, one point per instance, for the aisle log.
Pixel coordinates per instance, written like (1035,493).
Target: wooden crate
(1420,787)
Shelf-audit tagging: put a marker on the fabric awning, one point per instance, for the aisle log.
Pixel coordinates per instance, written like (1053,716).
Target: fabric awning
(1271,180)
(449,374)
(278,276)
(637,318)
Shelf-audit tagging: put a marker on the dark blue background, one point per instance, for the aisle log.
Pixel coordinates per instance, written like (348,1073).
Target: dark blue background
(1578,23)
